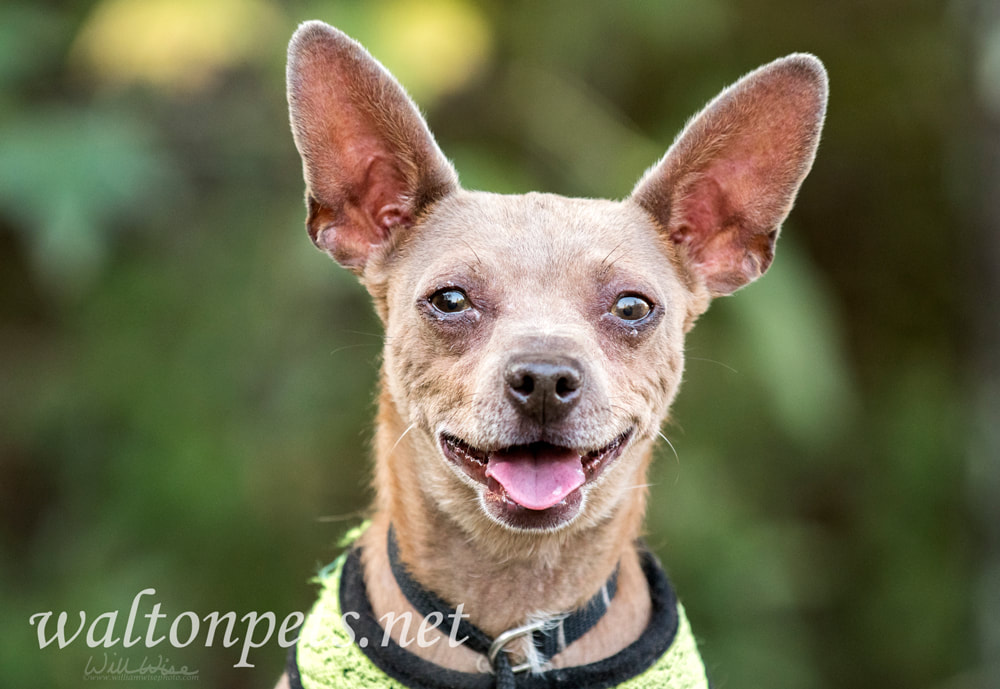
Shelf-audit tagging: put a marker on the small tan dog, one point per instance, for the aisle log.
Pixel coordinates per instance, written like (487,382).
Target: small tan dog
(533,346)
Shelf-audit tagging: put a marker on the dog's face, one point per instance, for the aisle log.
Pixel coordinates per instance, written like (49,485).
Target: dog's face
(534,343)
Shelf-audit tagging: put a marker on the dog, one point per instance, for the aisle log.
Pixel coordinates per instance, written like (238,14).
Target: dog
(533,347)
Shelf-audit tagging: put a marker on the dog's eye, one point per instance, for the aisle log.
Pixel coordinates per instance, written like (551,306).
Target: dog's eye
(631,308)
(450,301)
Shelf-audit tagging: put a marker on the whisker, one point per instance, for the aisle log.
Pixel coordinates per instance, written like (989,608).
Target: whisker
(674,449)
(408,429)
(352,346)
(605,266)
(368,334)
(469,247)
(713,361)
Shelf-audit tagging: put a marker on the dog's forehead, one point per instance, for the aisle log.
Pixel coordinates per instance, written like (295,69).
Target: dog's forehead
(537,234)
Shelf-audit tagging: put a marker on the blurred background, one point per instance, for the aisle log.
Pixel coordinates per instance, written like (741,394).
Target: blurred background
(188,386)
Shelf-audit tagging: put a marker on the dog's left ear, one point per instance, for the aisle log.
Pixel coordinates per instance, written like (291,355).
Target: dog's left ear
(723,189)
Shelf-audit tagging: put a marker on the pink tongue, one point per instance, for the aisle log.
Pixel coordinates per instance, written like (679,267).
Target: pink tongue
(537,478)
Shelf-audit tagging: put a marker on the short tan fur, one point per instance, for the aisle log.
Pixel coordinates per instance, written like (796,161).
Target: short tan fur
(510,328)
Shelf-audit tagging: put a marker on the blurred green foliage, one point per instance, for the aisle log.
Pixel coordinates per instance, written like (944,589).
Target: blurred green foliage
(188,385)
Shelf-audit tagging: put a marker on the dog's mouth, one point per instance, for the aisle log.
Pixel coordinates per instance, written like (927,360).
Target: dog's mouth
(537,476)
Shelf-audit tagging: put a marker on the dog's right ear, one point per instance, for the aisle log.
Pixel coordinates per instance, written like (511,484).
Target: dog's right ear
(370,163)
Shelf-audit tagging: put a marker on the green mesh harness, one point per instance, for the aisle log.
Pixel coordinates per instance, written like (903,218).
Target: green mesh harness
(342,646)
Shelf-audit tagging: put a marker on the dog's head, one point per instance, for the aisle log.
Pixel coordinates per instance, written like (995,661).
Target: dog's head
(534,343)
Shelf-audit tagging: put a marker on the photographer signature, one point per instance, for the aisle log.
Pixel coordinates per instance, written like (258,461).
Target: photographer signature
(113,666)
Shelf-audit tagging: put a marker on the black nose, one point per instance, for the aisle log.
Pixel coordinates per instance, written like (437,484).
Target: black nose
(544,388)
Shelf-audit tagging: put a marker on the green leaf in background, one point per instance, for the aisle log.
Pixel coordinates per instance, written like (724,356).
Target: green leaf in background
(70,178)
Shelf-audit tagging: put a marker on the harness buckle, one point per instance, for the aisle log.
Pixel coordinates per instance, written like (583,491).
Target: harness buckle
(510,635)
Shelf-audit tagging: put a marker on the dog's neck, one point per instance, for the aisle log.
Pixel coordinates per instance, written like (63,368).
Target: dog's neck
(505,581)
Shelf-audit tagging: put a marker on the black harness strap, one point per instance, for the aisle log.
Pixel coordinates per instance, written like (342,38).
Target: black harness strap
(548,640)
(414,672)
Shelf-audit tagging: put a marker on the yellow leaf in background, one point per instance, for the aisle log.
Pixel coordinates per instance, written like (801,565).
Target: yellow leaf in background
(433,47)
(174,44)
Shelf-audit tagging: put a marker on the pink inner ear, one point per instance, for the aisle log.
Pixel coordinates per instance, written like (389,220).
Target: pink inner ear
(384,200)
(701,210)
(375,207)
(711,222)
